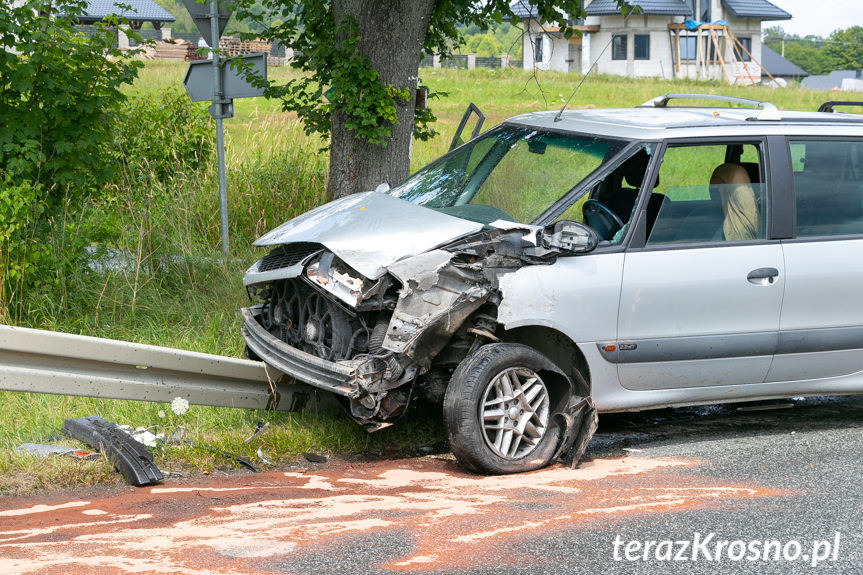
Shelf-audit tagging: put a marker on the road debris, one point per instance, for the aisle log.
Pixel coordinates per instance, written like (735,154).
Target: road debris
(213,449)
(315,458)
(128,456)
(262,458)
(260,428)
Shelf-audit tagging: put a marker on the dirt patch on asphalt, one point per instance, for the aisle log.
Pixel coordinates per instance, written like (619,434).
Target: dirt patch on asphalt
(438,516)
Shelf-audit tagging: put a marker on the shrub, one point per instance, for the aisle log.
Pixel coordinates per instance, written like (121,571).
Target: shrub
(161,134)
(23,255)
(58,92)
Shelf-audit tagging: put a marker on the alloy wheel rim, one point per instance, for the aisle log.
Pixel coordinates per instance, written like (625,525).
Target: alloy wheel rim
(514,412)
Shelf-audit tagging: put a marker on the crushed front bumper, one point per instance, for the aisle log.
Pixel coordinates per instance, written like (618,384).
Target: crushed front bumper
(342,378)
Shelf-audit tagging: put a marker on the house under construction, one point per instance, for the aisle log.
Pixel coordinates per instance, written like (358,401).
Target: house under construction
(702,39)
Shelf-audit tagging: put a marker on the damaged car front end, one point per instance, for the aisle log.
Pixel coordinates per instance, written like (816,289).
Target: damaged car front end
(384,298)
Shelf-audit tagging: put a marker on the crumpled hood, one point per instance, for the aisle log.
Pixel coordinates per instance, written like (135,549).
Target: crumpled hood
(371,230)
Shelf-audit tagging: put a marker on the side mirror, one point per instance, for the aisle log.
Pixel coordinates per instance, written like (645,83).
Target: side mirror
(570,236)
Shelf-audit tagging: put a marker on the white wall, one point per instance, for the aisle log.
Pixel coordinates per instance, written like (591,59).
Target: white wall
(555,49)
(662,48)
(661,61)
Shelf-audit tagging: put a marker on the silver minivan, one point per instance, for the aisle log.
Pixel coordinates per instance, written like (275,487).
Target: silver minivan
(563,263)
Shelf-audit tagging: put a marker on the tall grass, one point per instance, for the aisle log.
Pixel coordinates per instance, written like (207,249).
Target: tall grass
(157,276)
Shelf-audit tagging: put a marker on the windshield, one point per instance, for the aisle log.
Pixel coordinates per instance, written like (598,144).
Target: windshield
(511,173)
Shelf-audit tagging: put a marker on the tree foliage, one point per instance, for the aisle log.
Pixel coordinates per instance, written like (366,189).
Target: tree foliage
(58,91)
(341,78)
(483,45)
(845,48)
(805,51)
(842,50)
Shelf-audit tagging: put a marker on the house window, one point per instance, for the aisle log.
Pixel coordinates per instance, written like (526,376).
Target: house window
(688,47)
(705,11)
(641,46)
(618,47)
(537,49)
(700,9)
(743,54)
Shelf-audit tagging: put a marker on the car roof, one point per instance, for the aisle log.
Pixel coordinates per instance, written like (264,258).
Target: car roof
(651,121)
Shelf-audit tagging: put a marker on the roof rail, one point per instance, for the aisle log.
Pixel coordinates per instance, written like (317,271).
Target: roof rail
(831,104)
(768,110)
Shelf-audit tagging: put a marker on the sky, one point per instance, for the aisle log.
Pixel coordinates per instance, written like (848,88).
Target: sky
(819,17)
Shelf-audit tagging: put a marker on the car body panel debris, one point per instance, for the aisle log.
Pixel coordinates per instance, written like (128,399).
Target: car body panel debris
(130,457)
(43,450)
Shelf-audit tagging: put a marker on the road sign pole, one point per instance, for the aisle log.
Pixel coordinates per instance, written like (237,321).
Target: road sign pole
(220,132)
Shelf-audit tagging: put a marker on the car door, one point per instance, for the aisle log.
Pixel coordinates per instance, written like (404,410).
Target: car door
(821,328)
(702,288)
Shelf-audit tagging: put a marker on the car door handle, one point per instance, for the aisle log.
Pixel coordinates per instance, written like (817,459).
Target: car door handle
(762,276)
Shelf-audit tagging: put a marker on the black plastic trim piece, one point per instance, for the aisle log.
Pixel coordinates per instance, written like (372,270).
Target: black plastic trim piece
(732,345)
(831,104)
(130,457)
(691,348)
(780,190)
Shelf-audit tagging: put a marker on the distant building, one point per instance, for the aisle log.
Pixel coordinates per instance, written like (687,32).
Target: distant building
(707,39)
(844,80)
(141,11)
(779,67)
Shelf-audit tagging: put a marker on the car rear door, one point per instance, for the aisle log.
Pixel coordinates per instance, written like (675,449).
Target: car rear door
(701,295)
(821,328)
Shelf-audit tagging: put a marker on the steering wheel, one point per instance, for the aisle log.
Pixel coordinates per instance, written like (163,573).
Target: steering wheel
(601,218)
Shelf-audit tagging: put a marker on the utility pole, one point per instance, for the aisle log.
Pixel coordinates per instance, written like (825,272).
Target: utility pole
(220,87)
(218,100)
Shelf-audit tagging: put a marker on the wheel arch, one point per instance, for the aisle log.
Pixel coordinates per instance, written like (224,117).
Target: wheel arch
(558,348)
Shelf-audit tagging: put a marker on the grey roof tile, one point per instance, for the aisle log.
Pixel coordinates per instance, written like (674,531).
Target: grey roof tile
(779,66)
(142,10)
(760,9)
(523,9)
(654,7)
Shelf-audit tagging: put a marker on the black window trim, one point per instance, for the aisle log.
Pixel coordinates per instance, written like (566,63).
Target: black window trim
(592,179)
(743,54)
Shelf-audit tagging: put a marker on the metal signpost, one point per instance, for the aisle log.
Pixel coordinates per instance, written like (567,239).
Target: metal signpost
(220,87)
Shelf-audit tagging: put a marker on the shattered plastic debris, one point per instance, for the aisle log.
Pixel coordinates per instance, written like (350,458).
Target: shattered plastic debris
(260,428)
(42,450)
(130,457)
(580,422)
(315,458)
(262,458)
(212,449)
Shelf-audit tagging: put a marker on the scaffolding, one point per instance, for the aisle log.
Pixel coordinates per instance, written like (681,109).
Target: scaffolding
(716,48)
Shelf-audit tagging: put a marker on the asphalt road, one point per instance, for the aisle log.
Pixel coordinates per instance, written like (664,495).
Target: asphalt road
(720,489)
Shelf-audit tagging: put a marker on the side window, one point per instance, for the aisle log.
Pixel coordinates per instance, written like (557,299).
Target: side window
(708,193)
(828,185)
(609,206)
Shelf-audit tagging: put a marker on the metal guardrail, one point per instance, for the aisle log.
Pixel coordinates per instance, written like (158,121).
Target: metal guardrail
(41,361)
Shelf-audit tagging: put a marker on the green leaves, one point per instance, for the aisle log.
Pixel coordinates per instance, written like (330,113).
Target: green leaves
(341,80)
(58,89)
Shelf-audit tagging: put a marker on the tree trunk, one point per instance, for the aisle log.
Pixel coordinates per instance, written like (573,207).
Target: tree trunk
(392,33)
